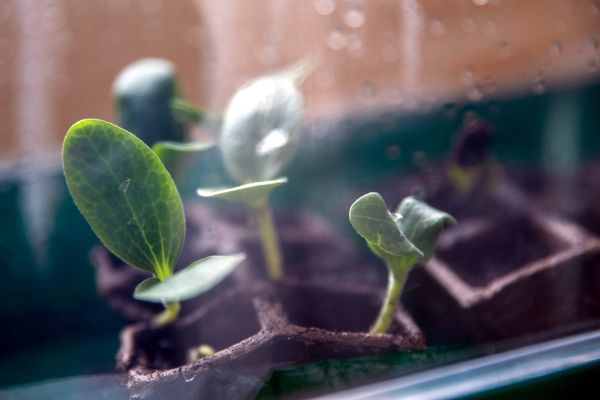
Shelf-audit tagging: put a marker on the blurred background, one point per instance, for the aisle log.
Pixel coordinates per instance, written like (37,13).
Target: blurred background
(394,79)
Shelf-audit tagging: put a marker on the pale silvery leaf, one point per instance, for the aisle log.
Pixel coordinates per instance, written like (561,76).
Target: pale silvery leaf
(261,128)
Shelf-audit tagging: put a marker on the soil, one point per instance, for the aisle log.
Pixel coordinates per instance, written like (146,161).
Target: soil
(534,274)
(322,309)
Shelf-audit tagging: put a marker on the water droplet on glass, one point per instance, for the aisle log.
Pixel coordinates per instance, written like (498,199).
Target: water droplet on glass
(437,28)
(592,65)
(468,25)
(336,40)
(504,48)
(325,7)
(368,89)
(124,186)
(539,86)
(467,75)
(488,84)
(594,43)
(188,374)
(480,2)
(354,42)
(392,152)
(274,140)
(490,27)
(555,49)
(354,19)
(474,93)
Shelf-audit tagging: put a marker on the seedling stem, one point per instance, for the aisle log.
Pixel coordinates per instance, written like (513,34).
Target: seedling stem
(270,244)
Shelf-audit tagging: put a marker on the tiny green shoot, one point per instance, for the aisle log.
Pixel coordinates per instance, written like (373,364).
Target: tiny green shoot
(401,239)
(132,204)
(259,138)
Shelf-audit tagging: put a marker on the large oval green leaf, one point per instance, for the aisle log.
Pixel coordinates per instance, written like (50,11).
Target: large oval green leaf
(126,195)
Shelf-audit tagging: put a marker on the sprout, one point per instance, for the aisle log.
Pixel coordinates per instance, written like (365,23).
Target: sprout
(131,203)
(402,240)
(259,137)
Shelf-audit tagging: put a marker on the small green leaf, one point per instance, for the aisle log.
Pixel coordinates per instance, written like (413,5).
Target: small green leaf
(126,195)
(422,224)
(371,219)
(195,279)
(186,112)
(261,128)
(179,157)
(253,194)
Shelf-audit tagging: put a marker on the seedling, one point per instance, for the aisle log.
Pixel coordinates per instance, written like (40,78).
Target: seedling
(148,104)
(130,201)
(259,138)
(471,166)
(402,240)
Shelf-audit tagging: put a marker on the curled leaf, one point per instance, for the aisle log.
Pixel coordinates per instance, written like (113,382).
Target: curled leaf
(261,128)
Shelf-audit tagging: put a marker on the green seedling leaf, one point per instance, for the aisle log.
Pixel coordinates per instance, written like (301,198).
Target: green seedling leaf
(253,194)
(197,278)
(126,195)
(261,128)
(186,112)
(422,224)
(401,239)
(143,93)
(180,157)
(371,219)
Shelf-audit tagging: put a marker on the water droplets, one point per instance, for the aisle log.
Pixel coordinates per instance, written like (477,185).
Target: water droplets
(325,7)
(368,89)
(467,75)
(354,18)
(188,374)
(504,48)
(275,139)
(555,49)
(474,92)
(437,28)
(539,86)
(480,2)
(393,152)
(124,186)
(336,40)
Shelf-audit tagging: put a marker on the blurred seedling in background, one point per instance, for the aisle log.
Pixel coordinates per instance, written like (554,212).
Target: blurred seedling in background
(401,239)
(149,104)
(471,166)
(132,204)
(259,138)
